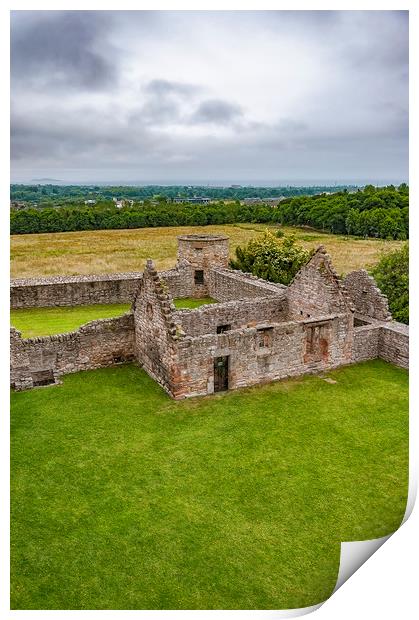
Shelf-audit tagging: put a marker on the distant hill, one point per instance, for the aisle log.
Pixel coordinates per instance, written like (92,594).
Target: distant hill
(46,180)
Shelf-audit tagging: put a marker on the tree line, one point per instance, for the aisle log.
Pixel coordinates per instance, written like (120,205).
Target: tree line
(372,212)
(105,217)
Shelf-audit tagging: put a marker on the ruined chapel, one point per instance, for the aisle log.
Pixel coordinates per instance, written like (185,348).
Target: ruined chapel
(256,332)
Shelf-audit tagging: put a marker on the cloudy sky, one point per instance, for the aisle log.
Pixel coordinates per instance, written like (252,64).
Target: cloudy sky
(210,96)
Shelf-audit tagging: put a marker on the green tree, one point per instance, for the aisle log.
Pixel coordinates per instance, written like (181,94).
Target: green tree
(392,276)
(272,258)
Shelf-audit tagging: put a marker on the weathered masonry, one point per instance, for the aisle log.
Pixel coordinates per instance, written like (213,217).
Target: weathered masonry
(256,332)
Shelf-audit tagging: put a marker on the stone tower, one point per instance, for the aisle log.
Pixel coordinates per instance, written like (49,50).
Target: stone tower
(203,252)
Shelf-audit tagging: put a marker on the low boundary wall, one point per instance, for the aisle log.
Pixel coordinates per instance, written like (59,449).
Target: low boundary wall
(74,290)
(388,341)
(100,343)
(394,344)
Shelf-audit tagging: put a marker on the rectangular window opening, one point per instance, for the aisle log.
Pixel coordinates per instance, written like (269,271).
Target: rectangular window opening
(265,337)
(199,276)
(223,328)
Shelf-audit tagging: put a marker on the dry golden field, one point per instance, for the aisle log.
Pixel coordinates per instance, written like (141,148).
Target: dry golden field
(108,251)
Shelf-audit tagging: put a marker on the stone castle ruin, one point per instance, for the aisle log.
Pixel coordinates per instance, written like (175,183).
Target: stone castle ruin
(257,331)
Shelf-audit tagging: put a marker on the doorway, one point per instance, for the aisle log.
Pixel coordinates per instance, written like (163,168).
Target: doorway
(221,374)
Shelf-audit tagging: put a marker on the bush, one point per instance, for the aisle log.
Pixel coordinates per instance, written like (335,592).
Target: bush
(392,276)
(272,258)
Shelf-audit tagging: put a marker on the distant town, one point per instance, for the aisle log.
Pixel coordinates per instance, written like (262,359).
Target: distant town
(42,194)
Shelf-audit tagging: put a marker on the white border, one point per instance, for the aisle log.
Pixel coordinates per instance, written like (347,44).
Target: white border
(386,585)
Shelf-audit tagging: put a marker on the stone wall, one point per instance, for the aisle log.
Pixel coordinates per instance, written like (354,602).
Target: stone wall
(269,331)
(394,344)
(316,289)
(386,340)
(155,331)
(234,314)
(366,342)
(179,281)
(262,354)
(226,285)
(74,290)
(105,342)
(366,296)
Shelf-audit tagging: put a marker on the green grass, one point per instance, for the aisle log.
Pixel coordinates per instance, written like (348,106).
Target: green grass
(125,499)
(45,321)
(191,302)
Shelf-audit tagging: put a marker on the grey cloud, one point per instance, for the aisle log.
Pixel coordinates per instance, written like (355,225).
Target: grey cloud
(61,48)
(158,111)
(163,101)
(216,111)
(78,135)
(166,87)
(83,96)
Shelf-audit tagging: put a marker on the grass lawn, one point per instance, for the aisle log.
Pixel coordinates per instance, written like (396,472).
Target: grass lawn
(125,499)
(45,321)
(191,302)
(109,251)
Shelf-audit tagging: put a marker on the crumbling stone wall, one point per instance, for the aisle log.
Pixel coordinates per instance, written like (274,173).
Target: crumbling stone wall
(104,342)
(20,371)
(317,290)
(255,358)
(179,281)
(234,314)
(226,285)
(155,330)
(366,296)
(266,331)
(74,290)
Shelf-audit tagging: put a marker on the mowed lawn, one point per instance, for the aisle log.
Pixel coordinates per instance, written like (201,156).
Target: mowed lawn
(32,322)
(45,321)
(110,251)
(190,303)
(125,499)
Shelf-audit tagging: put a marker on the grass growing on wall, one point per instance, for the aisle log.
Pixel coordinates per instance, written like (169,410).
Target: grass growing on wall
(191,302)
(46,321)
(125,499)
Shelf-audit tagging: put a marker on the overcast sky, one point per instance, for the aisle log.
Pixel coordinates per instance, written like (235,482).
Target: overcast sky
(212,97)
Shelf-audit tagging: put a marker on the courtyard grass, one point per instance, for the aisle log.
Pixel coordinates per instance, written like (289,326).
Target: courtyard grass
(191,303)
(110,251)
(34,322)
(122,498)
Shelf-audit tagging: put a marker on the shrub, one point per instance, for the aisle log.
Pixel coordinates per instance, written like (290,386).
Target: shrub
(392,276)
(272,258)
